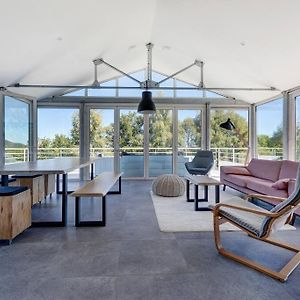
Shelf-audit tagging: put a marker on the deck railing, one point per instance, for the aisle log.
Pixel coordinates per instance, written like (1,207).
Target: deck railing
(221,155)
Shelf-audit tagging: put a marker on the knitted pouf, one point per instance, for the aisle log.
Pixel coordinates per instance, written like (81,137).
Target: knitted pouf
(168,185)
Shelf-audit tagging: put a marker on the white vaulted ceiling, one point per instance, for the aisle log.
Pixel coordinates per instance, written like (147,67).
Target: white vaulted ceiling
(243,43)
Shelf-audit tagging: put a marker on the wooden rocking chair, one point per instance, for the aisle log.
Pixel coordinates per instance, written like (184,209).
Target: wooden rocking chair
(258,223)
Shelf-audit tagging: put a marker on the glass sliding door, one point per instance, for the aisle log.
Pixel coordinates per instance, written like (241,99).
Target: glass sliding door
(16,124)
(160,143)
(102,138)
(269,120)
(131,143)
(230,147)
(297,99)
(58,133)
(189,137)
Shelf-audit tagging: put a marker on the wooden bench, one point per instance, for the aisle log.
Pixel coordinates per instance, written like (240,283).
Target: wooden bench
(98,187)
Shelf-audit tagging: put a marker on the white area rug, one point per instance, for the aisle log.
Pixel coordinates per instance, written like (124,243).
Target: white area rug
(174,214)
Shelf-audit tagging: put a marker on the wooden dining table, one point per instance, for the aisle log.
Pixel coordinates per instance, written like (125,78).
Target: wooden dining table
(59,166)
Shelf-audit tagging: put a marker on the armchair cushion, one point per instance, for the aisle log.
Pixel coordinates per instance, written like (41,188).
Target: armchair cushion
(248,220)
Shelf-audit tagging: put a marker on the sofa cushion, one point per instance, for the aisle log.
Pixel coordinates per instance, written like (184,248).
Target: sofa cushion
(237,179)
(281,184)
(266,169)
(289,169)
(236,170)
(264,186)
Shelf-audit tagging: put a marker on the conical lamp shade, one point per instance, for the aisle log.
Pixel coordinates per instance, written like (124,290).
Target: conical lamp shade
(146,105)
(228,125)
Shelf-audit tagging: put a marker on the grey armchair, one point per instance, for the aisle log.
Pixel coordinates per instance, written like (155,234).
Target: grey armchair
(201,163)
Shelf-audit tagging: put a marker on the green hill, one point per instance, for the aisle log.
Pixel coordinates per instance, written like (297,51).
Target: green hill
(9,144)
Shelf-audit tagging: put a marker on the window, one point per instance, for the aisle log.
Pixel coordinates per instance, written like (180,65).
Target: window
(160,143)
(229,147)
(131,143)
(189,137)
(104,92)
(102,138)
(269,120)
(187,93)
(58,132)
(298,128)
(16,130)
(77,93)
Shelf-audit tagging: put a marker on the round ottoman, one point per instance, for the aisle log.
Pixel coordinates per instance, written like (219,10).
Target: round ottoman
(168,185)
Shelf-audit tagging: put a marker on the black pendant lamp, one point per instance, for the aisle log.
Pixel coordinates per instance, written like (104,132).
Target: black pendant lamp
(146,105)
(228,125)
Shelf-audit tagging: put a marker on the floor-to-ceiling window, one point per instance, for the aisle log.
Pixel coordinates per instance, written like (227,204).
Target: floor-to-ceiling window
(189,137)
(58,132)
(131,143)
(297,99)
(16,122)
(160,142)
(229,146)
(102,138)
(269,120)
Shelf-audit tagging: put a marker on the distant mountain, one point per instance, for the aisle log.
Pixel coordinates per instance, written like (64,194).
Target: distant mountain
(9,144)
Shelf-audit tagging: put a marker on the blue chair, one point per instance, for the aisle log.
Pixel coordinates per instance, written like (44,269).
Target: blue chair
(201,163)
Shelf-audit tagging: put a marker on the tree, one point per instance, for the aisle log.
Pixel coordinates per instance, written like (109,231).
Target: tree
(45,143)
(131,130)
(160,131)
(188,133)
(61,141)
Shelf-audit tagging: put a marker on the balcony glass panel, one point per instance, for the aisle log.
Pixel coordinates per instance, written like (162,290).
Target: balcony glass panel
(102,139)
(160,143)
(16,130)
(189,137)
(131,143)
(230,147)
(269,120)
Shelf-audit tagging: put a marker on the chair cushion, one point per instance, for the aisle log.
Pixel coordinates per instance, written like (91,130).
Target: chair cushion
(264,186)
(266,169)
(236,170)
(168,185)
(26,176)
(288,169)
(247,220)
(11,190)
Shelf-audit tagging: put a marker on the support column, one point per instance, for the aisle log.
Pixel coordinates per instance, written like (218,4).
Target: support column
(2,128)
(146,146)
(117,166)
(84,141)
(33,134)
(175,140)
(252,132)
(206,127)
(289,126)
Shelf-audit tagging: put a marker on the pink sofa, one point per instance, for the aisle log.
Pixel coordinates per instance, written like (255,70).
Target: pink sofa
(267,177)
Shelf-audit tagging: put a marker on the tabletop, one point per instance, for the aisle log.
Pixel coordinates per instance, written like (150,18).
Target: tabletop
(59,165)
(202,180)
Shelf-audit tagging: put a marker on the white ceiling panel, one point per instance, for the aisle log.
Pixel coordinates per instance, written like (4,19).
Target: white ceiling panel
(242,43)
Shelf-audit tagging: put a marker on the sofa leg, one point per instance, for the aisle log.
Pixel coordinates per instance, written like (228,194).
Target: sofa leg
(224,188)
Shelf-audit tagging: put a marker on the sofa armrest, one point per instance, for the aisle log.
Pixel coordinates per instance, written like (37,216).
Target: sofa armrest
(291,186)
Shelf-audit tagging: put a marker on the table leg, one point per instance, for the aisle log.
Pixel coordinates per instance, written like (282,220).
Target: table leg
(217,191)
(4,180)
(196,201)
(188,199)
(64,208)
(92,171)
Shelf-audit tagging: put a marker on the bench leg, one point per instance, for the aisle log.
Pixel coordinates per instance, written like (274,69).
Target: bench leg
(120,188)
(79,223)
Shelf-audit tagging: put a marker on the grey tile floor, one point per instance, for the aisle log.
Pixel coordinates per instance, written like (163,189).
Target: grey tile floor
(131,259)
